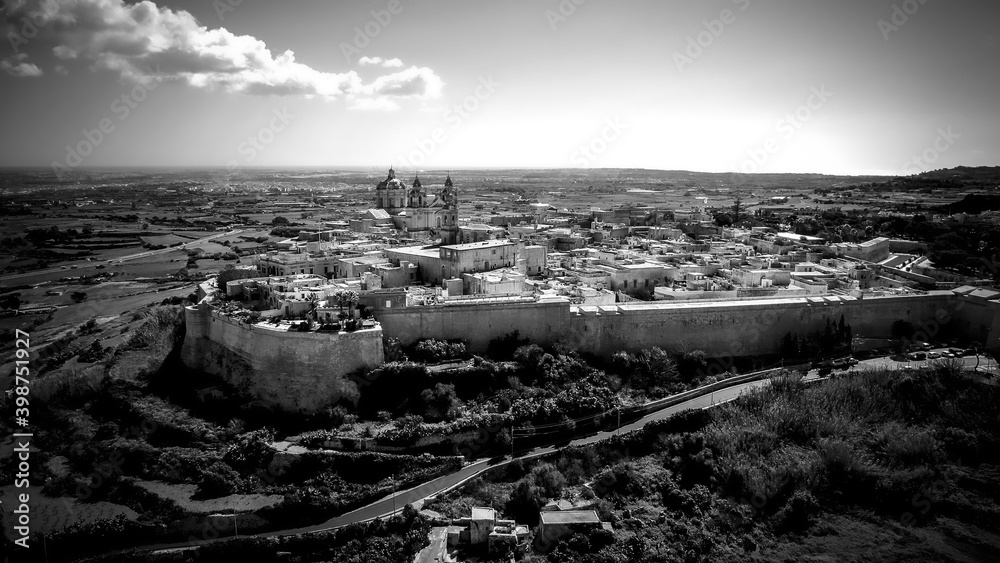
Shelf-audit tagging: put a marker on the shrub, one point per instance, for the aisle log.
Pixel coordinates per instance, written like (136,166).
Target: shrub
(434,351)
(218,480)
(798,513)
(960,444)
(905,445)
(251,451)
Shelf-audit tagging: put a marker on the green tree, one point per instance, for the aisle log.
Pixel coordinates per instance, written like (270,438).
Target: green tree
(229,273)
(723,219)
(739,210)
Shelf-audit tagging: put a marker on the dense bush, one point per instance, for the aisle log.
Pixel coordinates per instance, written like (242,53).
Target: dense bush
(435,351)
(251,451)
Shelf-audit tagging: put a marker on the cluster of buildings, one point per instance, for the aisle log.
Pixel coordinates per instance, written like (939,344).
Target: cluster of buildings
(414,238)
(557,520)
(623,279)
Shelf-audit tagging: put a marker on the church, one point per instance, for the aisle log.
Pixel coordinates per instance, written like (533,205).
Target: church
(418,212)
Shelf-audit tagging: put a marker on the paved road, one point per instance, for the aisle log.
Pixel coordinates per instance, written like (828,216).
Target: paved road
(985,364)
(395,503)
(95,263)
(392,504)
(437,551)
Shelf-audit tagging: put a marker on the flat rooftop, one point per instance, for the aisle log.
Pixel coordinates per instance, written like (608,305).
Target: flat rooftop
(570,517)
(474,245)
(797,237)
(483,513)
(425,251)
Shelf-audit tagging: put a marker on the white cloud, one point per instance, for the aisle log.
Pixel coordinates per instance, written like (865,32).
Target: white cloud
(379,61)
(17,65)
(141,41)
(414,82)
(418,83)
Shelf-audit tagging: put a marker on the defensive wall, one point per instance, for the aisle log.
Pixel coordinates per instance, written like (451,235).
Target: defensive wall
(720,329)
(543,322)
(305,371)
(748,328)
(296,371)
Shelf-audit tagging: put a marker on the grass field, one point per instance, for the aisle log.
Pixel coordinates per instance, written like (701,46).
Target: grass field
(51,514)
(181,495)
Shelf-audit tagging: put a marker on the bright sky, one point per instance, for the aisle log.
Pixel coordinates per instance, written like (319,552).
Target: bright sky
(832,86)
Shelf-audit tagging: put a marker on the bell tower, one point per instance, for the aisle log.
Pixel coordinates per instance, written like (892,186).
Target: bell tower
(449,213)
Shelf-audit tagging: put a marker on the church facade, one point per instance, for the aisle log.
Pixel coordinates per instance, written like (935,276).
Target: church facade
(422,213)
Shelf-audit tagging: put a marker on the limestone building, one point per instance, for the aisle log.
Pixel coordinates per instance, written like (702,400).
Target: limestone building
(419,211)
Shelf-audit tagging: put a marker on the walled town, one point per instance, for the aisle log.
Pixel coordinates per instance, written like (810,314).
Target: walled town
(506,365)
(623,279)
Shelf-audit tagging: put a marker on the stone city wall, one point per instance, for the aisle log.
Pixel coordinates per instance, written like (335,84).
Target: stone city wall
(720,329)
(305,371)
(295,371)
(751,328)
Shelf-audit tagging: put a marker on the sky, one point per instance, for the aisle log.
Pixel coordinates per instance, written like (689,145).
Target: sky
(838,87)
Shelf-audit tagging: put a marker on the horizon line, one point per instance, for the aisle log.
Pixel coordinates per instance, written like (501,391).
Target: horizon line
(371,168)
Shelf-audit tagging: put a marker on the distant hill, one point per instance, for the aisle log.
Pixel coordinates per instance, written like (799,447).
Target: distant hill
(959,178)
(972,204)
(985,174)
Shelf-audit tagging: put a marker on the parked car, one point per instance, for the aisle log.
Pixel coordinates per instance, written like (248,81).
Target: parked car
(933,355)
(917,356)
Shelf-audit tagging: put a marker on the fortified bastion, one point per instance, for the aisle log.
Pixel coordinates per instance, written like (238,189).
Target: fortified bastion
(295,371)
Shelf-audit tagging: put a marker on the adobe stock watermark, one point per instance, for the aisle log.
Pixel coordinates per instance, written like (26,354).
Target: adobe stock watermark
(698,43)
(899,16)
(31,23)
(585,154)
(787,127)
(255,144)
(121,106)
(371,29)
(941,144)
(566,8)
(456,116)
(224,6)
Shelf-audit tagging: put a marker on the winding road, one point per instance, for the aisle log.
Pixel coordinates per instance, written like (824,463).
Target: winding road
(394,503)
